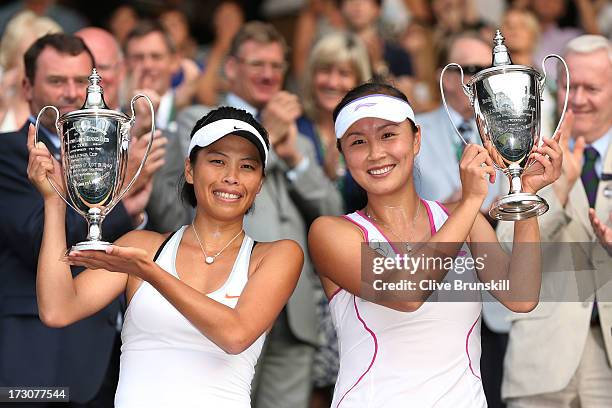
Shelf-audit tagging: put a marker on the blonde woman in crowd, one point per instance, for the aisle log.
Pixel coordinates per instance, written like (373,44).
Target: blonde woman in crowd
(337,63)
(21,32)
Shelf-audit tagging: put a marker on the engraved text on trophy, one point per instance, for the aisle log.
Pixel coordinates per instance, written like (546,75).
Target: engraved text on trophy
(508,106)
(91,154)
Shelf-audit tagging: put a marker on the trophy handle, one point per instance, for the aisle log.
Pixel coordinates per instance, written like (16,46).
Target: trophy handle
(466,89)
(59,134)
(144,159)
(567,84)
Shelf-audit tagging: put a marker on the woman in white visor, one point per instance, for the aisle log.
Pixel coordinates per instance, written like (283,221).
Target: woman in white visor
(406,339)
(200,299)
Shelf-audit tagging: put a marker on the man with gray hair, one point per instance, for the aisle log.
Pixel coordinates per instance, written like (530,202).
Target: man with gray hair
(559,354)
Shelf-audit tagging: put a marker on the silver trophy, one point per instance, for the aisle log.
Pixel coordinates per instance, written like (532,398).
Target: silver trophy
(94,148)
(506,100)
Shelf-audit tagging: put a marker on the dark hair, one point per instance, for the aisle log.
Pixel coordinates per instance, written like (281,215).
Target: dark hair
(223,112)
(146,27)
(261,33)
(61,42)
(370,88)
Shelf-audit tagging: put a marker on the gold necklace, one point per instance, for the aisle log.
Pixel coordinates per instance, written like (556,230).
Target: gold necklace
(210,259)
(409,247)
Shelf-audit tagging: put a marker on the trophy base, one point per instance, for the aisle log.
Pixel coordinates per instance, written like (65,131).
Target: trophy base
(89,246)
(518,206)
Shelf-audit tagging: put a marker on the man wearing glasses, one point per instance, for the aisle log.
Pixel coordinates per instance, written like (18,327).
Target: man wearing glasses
(294,193)
(440,143)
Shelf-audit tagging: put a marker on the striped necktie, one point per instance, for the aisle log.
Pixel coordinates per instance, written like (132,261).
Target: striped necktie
(464,129)
(590,181)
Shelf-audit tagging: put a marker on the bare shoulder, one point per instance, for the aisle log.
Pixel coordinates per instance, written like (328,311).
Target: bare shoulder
(150,241)
(283,255)
(332,228)
(281,248)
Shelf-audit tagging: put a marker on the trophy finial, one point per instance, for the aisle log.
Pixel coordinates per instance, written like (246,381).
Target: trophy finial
(500,51)
(94,98)
(499,38)
(94,78)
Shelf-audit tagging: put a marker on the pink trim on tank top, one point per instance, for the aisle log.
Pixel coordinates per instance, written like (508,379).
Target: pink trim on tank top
(361,227)
(365,235)
(365,217)
(432,224)
(365,326)
(443,208)
(467,350)
(334,294)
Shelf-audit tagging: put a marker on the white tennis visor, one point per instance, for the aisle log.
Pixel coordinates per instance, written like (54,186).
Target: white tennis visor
(214,131)
(380,106)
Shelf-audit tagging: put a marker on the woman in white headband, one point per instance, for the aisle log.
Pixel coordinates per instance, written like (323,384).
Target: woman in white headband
(402,341)
(200,299)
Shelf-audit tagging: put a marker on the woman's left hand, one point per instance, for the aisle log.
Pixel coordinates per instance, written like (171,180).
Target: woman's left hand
(546,168)
(130,260)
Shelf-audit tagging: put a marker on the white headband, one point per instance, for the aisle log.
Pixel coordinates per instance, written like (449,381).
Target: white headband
(214,131)
(373,106)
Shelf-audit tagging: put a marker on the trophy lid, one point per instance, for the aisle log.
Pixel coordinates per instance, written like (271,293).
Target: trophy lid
(94,102)
(502,63)
(95,98)
(501,56)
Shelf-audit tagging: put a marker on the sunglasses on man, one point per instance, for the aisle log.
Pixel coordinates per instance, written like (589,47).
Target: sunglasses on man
(472,69)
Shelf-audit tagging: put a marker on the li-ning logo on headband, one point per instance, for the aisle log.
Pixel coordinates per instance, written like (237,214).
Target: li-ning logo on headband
(364,105)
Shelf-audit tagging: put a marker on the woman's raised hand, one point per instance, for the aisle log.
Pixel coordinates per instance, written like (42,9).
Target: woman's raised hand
(549,158)
(548,165)
(476,172)
(42,164)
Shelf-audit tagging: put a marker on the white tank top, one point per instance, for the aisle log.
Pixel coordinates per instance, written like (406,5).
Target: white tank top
(167,362)
(390,359)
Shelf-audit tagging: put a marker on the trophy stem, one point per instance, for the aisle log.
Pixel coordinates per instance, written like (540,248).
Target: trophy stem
(515,180)
(94,233)
(517,205)
(94,221)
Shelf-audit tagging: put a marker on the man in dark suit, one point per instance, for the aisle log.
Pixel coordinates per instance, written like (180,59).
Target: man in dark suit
(31,354)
